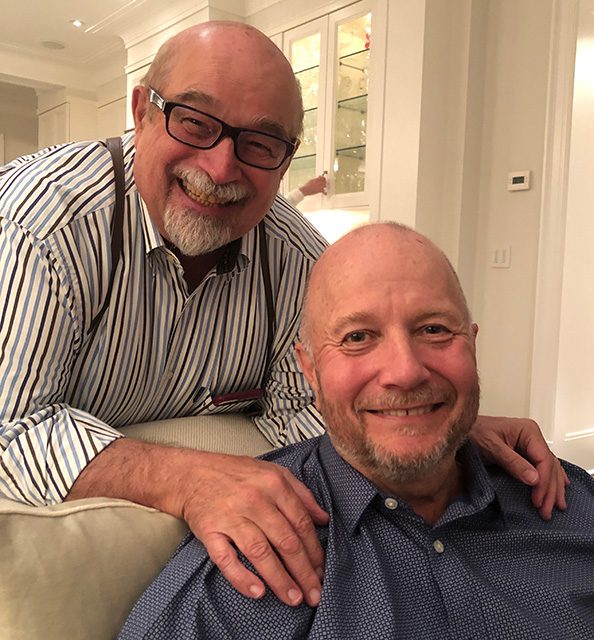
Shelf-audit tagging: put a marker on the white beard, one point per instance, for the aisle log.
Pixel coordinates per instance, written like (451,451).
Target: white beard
(193,234)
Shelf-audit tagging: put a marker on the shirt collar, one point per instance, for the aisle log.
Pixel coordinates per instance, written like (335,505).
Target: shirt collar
(352,493)
(239,252)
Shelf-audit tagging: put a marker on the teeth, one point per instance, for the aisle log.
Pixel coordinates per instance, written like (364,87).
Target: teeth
(417,411)
(202,198)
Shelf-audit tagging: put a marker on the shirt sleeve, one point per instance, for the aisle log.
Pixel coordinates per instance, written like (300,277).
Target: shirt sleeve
(289,415)
(295,196)
(192,600)
(44,442)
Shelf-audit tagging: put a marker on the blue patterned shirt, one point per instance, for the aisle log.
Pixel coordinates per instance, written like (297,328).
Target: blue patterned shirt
(160,351)
(490,568)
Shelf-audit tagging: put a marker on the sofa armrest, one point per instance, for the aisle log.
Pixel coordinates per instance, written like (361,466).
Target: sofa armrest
(74,570)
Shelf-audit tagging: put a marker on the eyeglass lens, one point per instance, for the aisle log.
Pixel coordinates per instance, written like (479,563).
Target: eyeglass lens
(201,131)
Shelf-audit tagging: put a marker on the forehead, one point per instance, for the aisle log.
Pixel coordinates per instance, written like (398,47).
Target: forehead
(248,90)
(386,280)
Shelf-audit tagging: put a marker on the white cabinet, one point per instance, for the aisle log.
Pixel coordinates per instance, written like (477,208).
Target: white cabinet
(53,126)
(65,118)
(338,60)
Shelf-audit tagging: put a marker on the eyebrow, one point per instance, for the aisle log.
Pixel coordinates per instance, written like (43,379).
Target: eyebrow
(451,314)
(195,95)
(263,124)
(267,125)
(352,318)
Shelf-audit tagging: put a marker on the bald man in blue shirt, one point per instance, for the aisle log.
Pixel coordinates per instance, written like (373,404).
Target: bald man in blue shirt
(423,541)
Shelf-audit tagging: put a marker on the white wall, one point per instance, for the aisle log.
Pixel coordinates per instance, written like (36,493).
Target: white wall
(465,104)
(572,403)
(516,77)
(111,107)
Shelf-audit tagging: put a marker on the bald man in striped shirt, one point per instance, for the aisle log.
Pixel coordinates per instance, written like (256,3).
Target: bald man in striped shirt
(194,310)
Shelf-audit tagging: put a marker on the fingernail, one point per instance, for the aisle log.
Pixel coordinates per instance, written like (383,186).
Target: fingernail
(530,476)
(294,595)
(314,597)
(256,591)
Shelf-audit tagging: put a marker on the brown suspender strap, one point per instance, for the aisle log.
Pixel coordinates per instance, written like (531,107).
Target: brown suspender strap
(117,224)
(270,308)
(254,395)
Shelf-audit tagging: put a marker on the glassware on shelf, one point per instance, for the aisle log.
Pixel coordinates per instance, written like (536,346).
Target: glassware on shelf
(349,170)
(309,139)
(350,133)
(305,60)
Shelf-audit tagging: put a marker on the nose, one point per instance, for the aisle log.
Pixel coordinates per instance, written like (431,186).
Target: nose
(400,363)
(220,162)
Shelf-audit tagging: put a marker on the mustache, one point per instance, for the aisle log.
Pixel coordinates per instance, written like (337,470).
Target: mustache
(200,181)
(392,400)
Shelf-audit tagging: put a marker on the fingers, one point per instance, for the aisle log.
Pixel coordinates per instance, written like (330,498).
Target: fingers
(276,552)
(224,556)
(550,493)
(259,552)
(267,517)
(518,467)
(500,438)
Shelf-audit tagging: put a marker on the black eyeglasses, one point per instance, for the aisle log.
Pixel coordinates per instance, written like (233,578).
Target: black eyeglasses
(203,131)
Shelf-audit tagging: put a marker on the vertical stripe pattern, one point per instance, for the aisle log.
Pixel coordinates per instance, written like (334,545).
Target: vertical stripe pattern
(158,352)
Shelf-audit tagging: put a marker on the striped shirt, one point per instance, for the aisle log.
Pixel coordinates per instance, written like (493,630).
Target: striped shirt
(159,351)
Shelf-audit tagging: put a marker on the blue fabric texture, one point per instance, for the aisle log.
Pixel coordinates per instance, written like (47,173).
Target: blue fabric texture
(489,568)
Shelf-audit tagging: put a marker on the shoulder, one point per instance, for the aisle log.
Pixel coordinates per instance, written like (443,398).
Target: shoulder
(48,190)
(303,461)
(287,227)
(515,500)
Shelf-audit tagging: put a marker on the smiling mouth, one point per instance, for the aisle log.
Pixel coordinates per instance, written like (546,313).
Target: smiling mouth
(402,413)
(206,199)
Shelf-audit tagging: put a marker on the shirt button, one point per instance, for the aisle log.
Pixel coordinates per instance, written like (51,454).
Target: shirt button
(391,503)
(168,375)
(438,546)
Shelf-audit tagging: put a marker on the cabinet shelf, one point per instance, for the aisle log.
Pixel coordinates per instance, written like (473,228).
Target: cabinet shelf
(357,151)
(304,156)
(357,103)
(306,69)
(352,55)
(331,59)
(358,60)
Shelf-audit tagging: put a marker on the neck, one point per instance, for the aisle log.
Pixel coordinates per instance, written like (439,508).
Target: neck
(196,267)
(429,496)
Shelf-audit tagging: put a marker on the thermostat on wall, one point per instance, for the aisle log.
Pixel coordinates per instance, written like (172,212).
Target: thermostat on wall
(518,180)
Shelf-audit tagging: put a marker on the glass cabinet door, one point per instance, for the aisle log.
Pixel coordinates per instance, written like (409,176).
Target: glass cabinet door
(353,40)
(306,51)
(332,59)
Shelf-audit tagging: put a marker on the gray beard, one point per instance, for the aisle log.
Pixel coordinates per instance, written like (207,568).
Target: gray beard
(195,235)
(354,446)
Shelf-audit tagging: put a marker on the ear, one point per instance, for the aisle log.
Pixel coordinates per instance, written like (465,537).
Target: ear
(307,365)
(140,105)
(474,327)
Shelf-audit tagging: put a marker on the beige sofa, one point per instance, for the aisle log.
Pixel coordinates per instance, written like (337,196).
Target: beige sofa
(73,571)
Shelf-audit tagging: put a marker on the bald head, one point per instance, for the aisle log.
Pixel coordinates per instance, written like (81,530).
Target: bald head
(375,253)
(234,46)
(390,355)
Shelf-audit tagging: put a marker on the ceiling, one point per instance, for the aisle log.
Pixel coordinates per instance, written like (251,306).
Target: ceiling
(26,25)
